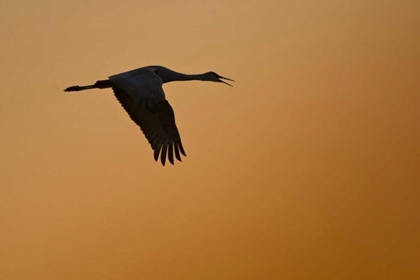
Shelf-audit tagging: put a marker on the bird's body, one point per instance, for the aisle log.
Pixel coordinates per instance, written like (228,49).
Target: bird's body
(140,93)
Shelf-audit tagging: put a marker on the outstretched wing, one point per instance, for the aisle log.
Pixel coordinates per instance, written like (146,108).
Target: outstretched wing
(157,123)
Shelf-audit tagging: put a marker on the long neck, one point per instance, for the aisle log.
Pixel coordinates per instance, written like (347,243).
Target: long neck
(175,76)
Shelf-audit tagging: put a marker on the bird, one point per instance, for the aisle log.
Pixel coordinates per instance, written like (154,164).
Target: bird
(141,95)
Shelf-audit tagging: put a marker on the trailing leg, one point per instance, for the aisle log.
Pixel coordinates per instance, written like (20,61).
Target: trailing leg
(98,84)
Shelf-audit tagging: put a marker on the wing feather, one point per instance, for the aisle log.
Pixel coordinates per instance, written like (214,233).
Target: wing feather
(163,153)
(177,155)
(157,124)
(171,152)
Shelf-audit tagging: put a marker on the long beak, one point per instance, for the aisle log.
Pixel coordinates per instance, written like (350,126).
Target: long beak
(220,77)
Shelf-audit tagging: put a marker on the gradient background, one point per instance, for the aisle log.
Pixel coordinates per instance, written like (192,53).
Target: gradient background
(307,169)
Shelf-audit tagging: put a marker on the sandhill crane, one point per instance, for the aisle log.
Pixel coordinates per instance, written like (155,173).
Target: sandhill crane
(140,93)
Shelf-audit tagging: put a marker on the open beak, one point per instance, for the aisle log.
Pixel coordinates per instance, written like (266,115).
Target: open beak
(220,77)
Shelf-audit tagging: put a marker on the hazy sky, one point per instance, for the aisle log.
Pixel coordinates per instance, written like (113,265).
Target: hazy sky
(308,168)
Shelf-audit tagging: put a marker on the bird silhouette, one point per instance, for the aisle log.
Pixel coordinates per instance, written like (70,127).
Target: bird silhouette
(140,93)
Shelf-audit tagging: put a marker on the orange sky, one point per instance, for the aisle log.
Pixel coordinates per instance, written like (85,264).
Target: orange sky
(308,168)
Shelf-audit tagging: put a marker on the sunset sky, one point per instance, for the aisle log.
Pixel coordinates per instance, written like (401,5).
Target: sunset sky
(308,168)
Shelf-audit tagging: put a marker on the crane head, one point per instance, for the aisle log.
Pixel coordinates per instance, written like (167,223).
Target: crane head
(214,77)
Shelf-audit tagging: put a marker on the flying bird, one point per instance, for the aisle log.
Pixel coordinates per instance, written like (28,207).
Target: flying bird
(140,93)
